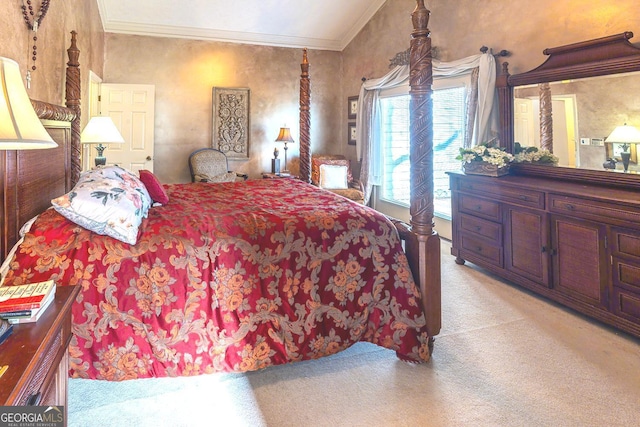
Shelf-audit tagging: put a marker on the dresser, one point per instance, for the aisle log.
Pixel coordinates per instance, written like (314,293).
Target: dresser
(37,357)
(575,243)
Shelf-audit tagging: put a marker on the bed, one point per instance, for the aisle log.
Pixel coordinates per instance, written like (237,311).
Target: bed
(230,277)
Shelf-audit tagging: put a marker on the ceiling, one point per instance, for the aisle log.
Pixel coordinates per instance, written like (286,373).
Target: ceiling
(315,24)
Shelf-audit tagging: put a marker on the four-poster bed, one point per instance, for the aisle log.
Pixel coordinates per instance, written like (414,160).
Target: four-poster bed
(235,276)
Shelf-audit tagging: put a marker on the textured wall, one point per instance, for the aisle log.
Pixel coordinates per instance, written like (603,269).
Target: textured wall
(184,73)
(54,37)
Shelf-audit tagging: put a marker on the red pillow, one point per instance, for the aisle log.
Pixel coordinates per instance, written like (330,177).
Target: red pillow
(155,189)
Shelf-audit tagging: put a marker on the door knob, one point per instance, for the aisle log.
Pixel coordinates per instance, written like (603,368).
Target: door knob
(149,158)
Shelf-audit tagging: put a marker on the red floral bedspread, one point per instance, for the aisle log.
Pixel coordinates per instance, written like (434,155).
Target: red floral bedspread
(230,277)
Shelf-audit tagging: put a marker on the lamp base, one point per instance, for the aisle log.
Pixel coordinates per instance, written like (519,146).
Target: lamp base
(625,155)
(100,159)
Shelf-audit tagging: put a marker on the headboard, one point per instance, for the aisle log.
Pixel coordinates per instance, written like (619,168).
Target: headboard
(29,179)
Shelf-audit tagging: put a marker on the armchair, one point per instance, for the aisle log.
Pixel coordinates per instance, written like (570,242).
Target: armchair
(333,173)
(211,165)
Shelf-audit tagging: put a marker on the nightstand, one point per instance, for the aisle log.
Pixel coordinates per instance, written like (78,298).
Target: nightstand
(37,357)
(266,175)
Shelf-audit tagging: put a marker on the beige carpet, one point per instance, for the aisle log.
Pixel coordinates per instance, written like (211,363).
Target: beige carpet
(504,358)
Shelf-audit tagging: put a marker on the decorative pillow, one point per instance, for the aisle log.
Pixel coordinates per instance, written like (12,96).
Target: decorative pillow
(107,200)
(154,188)
(328,160)
(333,177)
(223,177)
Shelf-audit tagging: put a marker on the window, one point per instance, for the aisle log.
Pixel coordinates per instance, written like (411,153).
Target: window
(449,118)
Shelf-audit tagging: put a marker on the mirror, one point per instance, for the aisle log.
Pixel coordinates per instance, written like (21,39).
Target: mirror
(582,113)
(571,104)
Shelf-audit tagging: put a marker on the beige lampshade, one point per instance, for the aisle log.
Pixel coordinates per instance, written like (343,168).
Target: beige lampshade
(20,128)
(284,135)
(101,130)
(624,134)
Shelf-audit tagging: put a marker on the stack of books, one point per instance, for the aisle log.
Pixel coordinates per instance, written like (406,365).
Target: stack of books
(26,303)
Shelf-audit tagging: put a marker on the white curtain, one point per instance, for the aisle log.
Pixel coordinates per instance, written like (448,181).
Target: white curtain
(368,120)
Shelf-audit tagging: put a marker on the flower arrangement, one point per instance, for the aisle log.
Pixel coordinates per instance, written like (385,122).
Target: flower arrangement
(533,155)
(486,152)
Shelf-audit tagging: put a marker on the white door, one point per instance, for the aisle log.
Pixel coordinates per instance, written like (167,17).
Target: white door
(132,107)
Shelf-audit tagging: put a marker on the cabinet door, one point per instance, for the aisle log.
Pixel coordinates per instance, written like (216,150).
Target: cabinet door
(579,259)
(527,243)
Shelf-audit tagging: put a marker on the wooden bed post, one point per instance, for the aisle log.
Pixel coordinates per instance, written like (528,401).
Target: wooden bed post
(73,92)
(423,247)
(305,120)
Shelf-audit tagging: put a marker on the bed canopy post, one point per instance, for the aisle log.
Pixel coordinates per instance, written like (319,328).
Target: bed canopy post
(305,120)
(423,248)
(72,97)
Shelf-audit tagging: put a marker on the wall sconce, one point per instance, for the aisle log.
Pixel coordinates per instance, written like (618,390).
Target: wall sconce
(625,135)
(285,136)
(20,127)
(101,130)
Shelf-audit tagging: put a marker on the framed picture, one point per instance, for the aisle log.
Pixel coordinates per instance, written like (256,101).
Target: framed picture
(351,134)
(352,107)
(231,121)
(614,150)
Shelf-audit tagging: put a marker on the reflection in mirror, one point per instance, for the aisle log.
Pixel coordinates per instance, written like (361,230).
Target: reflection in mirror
(580,116)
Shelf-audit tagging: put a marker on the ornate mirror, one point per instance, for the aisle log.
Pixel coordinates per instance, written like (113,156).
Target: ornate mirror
(571,104)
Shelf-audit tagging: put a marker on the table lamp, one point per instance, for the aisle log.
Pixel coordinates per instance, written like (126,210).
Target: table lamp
(101,130)
(285,136)
(20,127)
(625,135)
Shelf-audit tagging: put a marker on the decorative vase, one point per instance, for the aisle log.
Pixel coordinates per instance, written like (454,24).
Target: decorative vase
(484,168)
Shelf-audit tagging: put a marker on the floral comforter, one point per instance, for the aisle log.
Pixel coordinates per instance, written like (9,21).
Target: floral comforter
(229,277)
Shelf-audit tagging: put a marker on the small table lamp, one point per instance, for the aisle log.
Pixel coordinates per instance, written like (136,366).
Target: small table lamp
(20,127)
(285,136)
(101,130)
(625,135)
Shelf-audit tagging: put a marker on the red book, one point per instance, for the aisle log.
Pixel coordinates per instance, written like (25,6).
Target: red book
(25,297)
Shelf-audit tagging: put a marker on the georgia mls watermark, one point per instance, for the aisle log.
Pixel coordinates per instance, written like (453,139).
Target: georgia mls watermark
(31,416)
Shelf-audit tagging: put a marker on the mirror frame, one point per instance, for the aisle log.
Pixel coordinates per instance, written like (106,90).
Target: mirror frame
(597,57)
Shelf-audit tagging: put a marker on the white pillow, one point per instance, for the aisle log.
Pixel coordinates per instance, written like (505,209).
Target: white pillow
(333,177)
(107,200)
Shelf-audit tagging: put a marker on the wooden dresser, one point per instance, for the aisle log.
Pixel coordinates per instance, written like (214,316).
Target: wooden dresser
(37,358)
(577,244)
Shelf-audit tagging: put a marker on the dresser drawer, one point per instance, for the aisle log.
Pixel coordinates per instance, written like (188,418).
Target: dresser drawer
(626,243)
(481,248)
(626,304)
(505,193)
(479,207)
(592,209)
(481,227)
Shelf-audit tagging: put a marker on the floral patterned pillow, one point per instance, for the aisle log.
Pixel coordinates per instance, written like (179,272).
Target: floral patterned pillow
(108,200)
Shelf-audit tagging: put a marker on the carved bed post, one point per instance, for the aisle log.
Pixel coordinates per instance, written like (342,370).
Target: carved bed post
(423,248)
(73,92)
(505,104)
(546,119)
(305,120)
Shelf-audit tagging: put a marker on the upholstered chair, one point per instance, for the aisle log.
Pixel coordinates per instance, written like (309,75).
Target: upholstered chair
(211,165)
(333,173)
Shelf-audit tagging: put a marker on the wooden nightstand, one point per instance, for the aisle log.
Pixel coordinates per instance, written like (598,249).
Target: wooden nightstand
(37,357)
(266,175)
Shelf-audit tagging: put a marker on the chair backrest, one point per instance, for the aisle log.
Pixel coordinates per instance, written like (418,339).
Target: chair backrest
(207,161)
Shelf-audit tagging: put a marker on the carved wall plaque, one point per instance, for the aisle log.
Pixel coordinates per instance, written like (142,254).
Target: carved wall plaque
(231,121)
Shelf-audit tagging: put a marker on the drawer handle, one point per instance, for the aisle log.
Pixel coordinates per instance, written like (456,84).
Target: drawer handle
(479,248)
(544,249)
(34,399)
(478,207)
(523,197)
(571,207)
(478,228)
